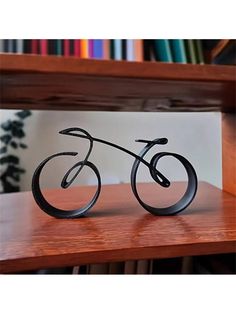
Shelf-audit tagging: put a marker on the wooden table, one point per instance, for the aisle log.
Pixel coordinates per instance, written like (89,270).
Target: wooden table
(116,229)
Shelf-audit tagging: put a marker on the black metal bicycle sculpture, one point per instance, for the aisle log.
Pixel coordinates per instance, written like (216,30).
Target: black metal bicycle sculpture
(157,176)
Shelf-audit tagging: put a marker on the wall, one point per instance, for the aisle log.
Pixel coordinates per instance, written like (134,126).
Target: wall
(197,136)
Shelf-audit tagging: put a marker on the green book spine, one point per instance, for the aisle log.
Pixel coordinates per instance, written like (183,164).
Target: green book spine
(199,51)
(190,50)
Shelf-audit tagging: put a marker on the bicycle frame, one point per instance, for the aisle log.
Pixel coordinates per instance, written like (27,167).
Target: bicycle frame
(155,174)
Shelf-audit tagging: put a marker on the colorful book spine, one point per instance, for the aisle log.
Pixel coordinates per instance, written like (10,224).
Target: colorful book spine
(19,46)
(27,46)
(90,48)
(190,51)
(112,49)
(106,49)
(66,47)
(10,45)
(84,48)
(138,43)
(162,50)
(117,49)
(98,48)
(77,48)
(34,46)
(178,50)
(43,47)
(1,46)
(124,49)
(130,55)
(199,51)
(59,47)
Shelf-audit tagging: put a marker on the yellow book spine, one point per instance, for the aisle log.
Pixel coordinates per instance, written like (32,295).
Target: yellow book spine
(84,48)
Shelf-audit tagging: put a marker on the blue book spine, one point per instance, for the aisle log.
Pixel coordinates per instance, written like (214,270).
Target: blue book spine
(118,49)
(19,46)
(98,48)
(163,50)
(178,50)
(130,50)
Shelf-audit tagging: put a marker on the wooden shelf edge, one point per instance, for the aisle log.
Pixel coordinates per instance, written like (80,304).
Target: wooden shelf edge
(111,68)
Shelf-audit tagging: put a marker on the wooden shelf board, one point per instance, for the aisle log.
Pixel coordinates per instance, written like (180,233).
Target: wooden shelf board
(55,83)
(116,229)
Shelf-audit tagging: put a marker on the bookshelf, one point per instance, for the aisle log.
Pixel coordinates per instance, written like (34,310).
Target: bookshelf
(53,83)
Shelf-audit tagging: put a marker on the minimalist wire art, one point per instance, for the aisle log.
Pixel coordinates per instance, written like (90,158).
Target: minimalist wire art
(156,175)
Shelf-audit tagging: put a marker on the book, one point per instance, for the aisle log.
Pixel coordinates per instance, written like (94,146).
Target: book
(130,268)
(59,47)
(142,267)
(199,51)
(106,49)
(5,45)
(14,45)
(98,49)
(90,48)
(43,47)
(178,50)
(116,268)
(77,48)
(10,45)
(51,47)
(162,50)
(76,270)
(1,46)
(130,46)
(98,269)
(19,46)
(27,46)
(124,49)
(117,49)
(138,49)
(112,49)
(190,51)
(149,50)
(34,46)
(84,48)
(66,47)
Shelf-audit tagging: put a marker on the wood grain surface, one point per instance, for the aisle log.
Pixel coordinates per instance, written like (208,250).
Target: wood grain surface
(117,228)
(54,83)
(229,153)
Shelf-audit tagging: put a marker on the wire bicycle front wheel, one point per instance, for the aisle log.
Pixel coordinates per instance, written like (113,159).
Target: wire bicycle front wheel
(185,200)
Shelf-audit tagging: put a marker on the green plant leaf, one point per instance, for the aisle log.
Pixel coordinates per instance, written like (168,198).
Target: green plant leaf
(6,138)
(10,159)
(3,150)
(23,114)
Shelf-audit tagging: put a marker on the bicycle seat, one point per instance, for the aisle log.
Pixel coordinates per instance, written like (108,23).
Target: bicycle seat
(159,141)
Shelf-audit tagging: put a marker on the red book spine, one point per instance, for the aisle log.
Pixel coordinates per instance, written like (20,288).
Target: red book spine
(77,48)
(90,48)
(43,47)
(34,46)
(66,47)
